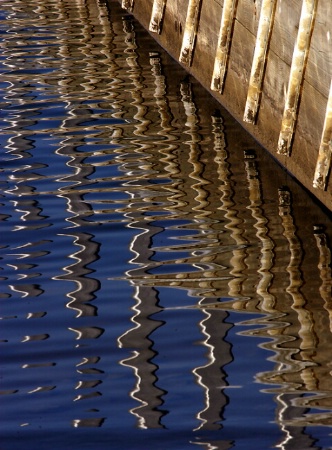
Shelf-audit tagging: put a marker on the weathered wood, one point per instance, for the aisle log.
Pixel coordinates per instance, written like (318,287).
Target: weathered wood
(128,4)
(224,42)
(190,31)
(296,76)
(325,150)
(157,16)
(259,61)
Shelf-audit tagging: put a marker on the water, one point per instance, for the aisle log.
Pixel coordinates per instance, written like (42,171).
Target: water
(165,285)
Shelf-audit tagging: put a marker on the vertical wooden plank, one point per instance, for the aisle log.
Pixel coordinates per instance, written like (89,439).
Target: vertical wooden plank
(259,60)
(224,42)
(323,164)
(128,5)
(157,16)
(299,60)
(190,32)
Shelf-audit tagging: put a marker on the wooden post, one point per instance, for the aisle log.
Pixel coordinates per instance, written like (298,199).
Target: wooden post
(157,16)
(224,41)
(128,5)
(259,60)
(325,270)
(299,60)
(190,32)
(325,150)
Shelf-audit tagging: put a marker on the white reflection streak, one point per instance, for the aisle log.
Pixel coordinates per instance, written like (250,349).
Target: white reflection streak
(132,319)
(283,410)
(20,291)
(211,360)
(145,392)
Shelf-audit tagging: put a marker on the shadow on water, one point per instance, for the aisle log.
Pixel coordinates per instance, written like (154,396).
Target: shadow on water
(180,278)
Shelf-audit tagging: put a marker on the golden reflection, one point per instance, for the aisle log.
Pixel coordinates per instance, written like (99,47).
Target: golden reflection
(261,227)
(325,269)
(233,224)
(307,331)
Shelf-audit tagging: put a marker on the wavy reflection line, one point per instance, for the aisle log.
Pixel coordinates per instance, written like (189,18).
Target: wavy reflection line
(26,252)
(212,376)
(29,212)
(138,338)
(261,226)
(307,333)
(77,115)
(296,436)
(195,201)
(88,249)
(168,142)
(135,75)
(231,213)
(145,392)
(192,129)
(325,270)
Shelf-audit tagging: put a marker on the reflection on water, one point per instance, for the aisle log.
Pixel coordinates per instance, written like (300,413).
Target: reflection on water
(181,280)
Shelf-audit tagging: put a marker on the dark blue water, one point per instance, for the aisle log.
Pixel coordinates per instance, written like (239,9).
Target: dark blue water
(164,284)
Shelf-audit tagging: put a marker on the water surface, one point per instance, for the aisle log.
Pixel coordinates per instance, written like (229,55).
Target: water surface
(165,285)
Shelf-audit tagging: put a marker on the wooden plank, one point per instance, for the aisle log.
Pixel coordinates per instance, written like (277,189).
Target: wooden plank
(284,34)
(223,46)
(190,32)
(259,60)
(157,16)
(128,4)
(323,165)
(296,76)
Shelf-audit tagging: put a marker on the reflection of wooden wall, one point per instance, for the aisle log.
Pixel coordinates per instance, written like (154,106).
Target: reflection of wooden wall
(276,68)
(250,253)
(259,252)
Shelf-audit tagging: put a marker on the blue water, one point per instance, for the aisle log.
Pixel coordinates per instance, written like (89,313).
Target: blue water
(164,284)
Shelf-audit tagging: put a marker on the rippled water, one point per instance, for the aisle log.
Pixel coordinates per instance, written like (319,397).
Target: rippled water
(165,284)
